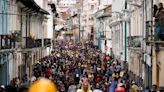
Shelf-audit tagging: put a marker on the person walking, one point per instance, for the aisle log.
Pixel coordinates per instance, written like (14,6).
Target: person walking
(97,88)
(119,89)
(72,87)
(113,86)
(134,87)
(85,86)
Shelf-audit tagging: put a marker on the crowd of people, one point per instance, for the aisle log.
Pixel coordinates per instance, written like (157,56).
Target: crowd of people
(78,67)
(69,65)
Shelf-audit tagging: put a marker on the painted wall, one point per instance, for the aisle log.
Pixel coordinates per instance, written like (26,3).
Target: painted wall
(160,64)
(157,62)
(105,2)
(4,66)
(87,14)
(117,5)
(117,30)
(45,29)
(136,23)
(136,29)
(3,17)
(50,27)
(4,77)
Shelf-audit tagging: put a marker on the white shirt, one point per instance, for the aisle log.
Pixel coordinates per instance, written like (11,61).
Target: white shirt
(97,90)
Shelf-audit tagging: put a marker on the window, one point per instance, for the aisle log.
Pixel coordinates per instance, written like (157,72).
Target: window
(92,7)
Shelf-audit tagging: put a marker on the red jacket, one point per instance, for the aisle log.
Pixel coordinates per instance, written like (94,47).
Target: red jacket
(98,78)
(48,73)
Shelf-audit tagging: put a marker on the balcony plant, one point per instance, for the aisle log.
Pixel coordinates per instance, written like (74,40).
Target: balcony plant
(16,36)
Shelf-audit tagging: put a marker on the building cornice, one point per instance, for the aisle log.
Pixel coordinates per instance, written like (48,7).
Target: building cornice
(114,23)
(31,4)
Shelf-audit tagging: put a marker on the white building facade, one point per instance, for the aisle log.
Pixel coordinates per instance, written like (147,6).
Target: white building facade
(103,33)
(87,19)
(28,30)
(118,30)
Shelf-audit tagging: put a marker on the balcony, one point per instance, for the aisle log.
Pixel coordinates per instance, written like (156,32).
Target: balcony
(155,36)
(32,43)
(38,43)
(134,41)
(105,35)
(6,42)
(102,35)
(47,42)
(29,42)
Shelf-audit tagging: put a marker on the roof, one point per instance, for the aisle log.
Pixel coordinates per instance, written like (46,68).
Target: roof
(103,8)
(106,12)
(105,15)
(31,4)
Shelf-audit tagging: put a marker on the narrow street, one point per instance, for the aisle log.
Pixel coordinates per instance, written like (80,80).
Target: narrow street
(69,65)
(81,45)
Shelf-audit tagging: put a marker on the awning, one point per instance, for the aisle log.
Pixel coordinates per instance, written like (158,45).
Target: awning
(31,4)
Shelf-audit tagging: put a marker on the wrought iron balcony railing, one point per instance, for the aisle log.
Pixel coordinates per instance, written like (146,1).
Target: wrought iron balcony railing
(38,43)
(29,42)
(102,35)
(6,42)
(32,43)
(47,42)
(134,41)
(155,31)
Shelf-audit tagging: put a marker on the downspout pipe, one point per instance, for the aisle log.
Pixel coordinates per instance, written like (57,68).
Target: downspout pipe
(125,35)
(150,82)
(143,42)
